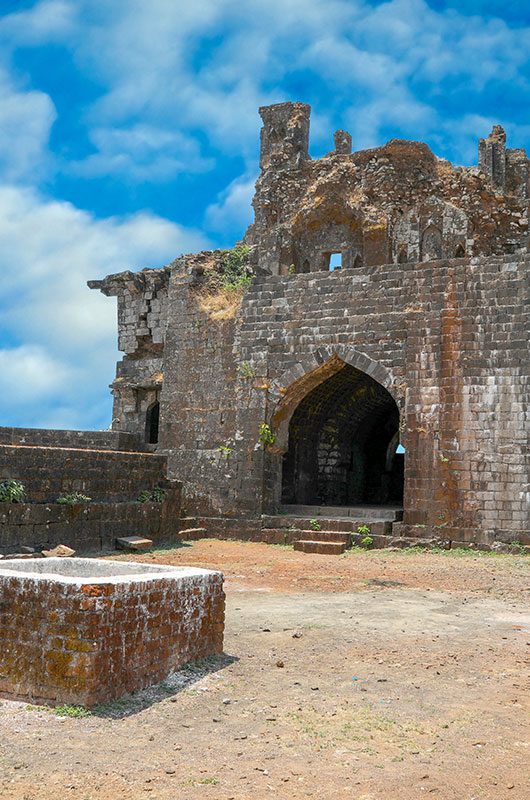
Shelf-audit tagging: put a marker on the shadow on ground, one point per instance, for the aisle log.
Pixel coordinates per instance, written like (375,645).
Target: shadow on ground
(166,690)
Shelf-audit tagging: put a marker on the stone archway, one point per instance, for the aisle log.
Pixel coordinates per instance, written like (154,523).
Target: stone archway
(338,447)
(336,423)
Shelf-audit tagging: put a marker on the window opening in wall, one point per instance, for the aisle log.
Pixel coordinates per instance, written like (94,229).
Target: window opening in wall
(335,261)
(152,418)
(305,266)
(357,262)
(460,252)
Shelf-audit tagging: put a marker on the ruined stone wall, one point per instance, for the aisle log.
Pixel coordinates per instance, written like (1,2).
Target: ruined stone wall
(91,440)
(395,203)
(447,339)
(199,401)
(86,527)
(142,316)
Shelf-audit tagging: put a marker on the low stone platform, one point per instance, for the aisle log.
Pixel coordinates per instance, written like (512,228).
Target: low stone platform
(87,631)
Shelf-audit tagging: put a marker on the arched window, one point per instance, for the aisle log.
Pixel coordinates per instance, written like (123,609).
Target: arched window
(431,244)
(357,261)
(152,419)
(460,251)
(305,266)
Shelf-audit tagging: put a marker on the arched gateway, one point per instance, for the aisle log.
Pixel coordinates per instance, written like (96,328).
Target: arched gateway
(342,445)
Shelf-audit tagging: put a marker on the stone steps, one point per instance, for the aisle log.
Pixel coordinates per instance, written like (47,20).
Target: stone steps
(134,543)
(321,547)
(192,534)
(370,513)
(189,522)
(335,524)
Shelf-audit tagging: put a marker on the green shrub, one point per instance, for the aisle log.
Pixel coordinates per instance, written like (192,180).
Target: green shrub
(364,532)
(236,272)
(12,491)
(266,436)
(315,525)
(156,495)
(73,498)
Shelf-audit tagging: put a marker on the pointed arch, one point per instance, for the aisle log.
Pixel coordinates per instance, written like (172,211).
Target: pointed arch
(431,244)
(294,384)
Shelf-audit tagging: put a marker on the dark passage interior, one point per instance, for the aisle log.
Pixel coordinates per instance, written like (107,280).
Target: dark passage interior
(343,439)
(152,419)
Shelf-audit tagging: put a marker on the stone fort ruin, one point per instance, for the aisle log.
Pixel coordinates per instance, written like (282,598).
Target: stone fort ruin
(378,360)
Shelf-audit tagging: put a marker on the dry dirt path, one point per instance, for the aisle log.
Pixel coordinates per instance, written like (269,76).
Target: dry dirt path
(373,675)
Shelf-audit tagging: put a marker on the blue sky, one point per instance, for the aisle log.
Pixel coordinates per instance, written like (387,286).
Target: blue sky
(129,134)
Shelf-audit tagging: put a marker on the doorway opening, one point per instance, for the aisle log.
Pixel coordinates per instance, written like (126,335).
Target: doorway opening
(344,445)
(152,419)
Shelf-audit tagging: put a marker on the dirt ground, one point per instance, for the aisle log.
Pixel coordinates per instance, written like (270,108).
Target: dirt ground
(371,675)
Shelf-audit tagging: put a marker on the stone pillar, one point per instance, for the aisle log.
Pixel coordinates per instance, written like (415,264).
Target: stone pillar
(284,135)
(342,141)
(492,156)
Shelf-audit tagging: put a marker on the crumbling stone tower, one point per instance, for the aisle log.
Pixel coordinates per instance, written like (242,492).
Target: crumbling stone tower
(383,344)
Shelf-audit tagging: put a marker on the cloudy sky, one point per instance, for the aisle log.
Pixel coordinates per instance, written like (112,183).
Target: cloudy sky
(129,134)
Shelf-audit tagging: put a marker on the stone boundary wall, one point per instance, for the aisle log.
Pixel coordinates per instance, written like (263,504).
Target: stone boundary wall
(86,527)
(111,476)
(91,440)
(102,634)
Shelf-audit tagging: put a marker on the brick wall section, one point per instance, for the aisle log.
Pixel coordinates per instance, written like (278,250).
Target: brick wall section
(91,642)
(86,527)
(99,440)
(199,404)
(48,472)
(449,341)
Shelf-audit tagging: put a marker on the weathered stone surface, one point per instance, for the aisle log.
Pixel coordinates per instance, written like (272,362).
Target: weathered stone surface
(101,629)
(134,543)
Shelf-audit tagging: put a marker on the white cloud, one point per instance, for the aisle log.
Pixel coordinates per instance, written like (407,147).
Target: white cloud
(48,250)
(47,21)
(141,152)
(233,210)
(31,375)
(26,118)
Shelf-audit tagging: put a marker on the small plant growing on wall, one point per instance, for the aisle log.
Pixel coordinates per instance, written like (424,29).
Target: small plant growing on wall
(73,498)
(266,436)
(315,525)
(235,269)
(12,491)
(364,532)
(156,495)
(246,370)
(225,450)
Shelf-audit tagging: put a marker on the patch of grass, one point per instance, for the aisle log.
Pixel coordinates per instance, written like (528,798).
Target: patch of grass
(76,712)
(208,781)
(73,498)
